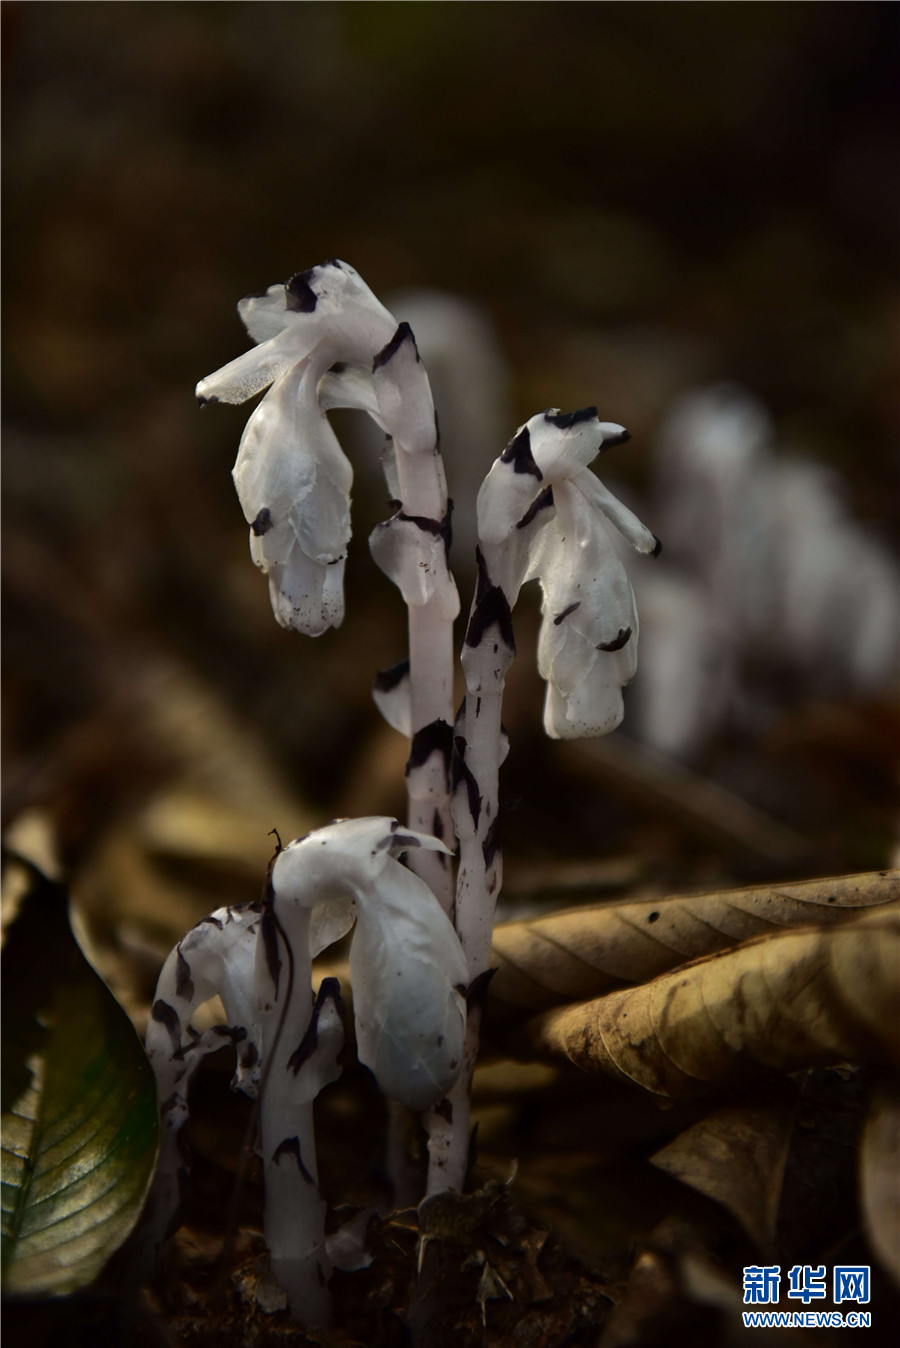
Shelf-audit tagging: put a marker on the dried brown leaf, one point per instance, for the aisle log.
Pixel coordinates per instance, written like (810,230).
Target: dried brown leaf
(779,1003)
(589,951)
(737,1156)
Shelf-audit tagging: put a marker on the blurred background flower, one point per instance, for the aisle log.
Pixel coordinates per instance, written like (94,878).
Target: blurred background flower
(572,204)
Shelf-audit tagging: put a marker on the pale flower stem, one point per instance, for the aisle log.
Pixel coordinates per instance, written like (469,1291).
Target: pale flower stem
(403,1160)
(449,1126)
(486,657)
(480,860)
(427,784)
(423,495)
(295,1211)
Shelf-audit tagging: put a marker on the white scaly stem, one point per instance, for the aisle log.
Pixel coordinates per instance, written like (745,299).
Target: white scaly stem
(487,655)
(295,1210)
(420,481)
(415,471)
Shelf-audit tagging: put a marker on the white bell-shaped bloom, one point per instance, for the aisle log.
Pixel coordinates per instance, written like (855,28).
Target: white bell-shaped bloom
(323,341)
(542,514)
(407,968)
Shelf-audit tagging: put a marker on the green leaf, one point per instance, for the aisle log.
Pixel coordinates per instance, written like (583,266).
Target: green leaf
(80,1119)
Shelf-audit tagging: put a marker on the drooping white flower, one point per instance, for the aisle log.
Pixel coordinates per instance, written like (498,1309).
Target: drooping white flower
(542,514)
(216,957)
(409,979)
(407,968)
(323,341)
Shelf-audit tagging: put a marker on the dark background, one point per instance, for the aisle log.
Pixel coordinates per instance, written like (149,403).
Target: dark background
(640,197)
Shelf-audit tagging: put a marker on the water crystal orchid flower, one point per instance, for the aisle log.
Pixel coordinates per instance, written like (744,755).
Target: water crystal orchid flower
(215,958)
(542,514)
(406,965)
(323,340)
(409,980)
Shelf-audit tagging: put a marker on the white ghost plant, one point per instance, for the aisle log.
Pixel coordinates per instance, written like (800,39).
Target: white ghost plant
(324,341)
(542,514)
(409,981)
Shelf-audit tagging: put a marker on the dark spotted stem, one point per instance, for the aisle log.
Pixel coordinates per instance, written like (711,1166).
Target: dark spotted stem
(488,652)
(431,689)
(401,382)
(294,1210)
(424,509)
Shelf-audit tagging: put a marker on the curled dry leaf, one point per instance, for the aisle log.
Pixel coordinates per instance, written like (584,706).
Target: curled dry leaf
(737,1156)
(780,1003)
(589,951)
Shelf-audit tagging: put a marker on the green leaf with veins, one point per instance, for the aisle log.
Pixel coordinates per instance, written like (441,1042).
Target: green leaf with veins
(80,1120)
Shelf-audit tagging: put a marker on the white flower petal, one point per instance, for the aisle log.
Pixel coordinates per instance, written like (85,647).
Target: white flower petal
(321,520)
(406,962)
(349,386)
(307,595)
(264,316)
(587,647)
(329,922)
(627,523)
(217,957)
(550,447)
(273,545)
(586,587)
(562,443)
(509,490)
(328,308)
(343,858)
(333,302)
(247,374)
(293,482)
(407,968)
(594,708)
(273,470)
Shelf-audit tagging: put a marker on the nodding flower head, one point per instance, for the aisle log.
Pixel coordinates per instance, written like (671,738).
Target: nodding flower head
(542,514)
(407,968)
(323,340)
(216,957)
